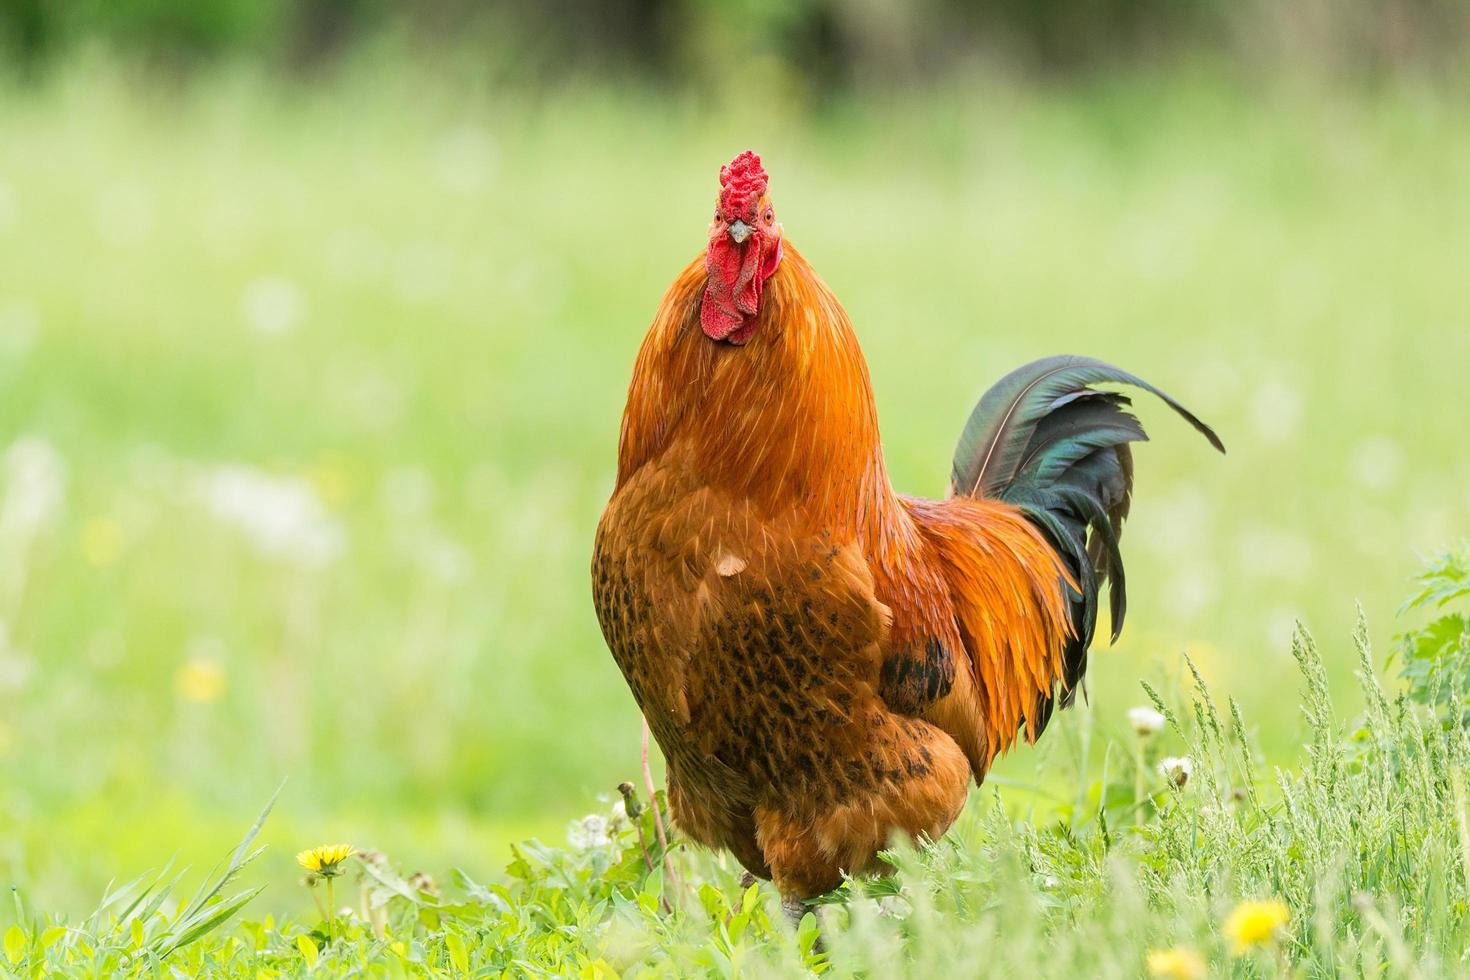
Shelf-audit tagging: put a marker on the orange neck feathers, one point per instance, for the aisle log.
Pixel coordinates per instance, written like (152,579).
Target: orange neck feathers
(787,420)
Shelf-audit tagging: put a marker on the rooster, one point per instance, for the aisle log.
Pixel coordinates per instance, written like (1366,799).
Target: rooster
(824,662)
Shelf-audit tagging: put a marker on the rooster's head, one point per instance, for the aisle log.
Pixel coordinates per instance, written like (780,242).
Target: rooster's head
(744,250)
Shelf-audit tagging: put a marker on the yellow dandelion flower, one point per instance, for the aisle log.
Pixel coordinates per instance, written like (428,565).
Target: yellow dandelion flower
(101,541)
(201,681)
(326,860)
(331,480)
(1179,963)
(1255,923)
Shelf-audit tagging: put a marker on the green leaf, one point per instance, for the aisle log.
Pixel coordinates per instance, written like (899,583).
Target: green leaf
(15,944)
(308,950)
(457,954)
(52,936)
(227,910)
(806,934)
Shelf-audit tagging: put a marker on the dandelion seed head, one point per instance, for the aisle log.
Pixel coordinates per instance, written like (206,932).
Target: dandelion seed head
(1145,720)
(1177,769)
(589,832)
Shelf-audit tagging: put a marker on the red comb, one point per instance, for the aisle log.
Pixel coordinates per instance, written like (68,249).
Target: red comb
(742,181)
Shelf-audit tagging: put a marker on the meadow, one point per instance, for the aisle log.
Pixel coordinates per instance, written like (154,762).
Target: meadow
(311,398)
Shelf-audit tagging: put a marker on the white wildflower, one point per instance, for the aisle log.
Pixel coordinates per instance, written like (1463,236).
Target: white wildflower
(589,832)
(619,816)
(464,160)
(16,666)
(1145,721)
(272,305)
(282,517)
(894,907)
(1376,463)
(1177,769)
(35,483)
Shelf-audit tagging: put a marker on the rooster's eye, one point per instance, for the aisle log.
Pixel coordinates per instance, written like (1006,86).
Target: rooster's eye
(770,216)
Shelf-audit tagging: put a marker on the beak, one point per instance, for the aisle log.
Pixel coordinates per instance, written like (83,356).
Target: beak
(740,231)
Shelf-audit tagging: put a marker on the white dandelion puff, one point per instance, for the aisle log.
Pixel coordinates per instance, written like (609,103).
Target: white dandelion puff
(589,832)
(282,517)
(1145,721)
(1177,770)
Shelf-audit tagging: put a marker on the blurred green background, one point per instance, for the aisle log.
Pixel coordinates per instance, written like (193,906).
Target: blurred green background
(316,320)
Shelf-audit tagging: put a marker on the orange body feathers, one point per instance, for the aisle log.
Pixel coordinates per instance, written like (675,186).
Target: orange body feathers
(823,662)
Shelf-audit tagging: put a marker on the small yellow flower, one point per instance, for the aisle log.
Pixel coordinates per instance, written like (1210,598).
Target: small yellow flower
(326,860)
(201,681)
(331,480)
(1255,923)
(1179,963)
(101,541)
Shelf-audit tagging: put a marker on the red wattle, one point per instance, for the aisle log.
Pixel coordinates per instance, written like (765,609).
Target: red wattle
(732,295)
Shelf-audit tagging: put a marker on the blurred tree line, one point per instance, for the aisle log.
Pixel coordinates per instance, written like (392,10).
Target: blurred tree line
(829,43)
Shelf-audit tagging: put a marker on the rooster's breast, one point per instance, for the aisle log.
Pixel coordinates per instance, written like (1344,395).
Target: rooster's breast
(752,647)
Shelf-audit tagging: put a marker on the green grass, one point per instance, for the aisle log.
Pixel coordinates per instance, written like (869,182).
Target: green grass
(1364,850)
(462,275)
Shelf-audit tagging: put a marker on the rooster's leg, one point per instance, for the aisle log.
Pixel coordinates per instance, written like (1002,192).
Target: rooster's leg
(796,910)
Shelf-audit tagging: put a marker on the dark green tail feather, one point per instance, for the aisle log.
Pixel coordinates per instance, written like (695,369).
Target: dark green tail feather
(1057,449)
